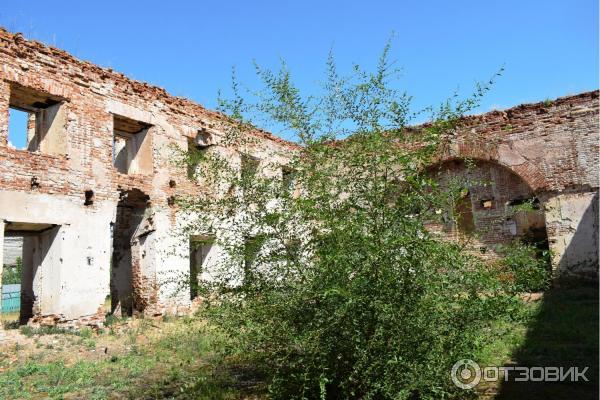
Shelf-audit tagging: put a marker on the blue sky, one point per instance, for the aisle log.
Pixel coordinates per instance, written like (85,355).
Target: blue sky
(549,48)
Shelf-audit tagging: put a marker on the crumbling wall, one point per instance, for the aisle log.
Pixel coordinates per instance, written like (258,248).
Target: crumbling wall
(553,147)
(73,182)
(68,265)
(572,224)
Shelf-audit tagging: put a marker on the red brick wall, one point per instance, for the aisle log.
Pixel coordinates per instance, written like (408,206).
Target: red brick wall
(87,88)
(552,145)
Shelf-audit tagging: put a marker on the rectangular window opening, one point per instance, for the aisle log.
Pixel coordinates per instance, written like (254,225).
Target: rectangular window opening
(132,147)
(250,165)
(37,121)
(487,203)
(251,251)
(196,152)
(288,180)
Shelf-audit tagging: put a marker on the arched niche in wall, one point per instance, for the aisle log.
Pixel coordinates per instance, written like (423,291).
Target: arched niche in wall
(494,204)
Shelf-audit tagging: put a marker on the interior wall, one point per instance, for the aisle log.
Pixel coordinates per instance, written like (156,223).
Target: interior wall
(52,129)
(41,277)
(144,272)
(141,153)
(572,224)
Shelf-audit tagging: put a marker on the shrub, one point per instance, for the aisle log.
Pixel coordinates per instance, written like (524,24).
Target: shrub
(357,328)
(346,294)
(528,266)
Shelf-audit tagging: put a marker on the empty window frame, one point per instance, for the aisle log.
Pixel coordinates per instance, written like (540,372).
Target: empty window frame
(249,165)
(203,139)
(251,251)
(197,148)
(132,146)
(37,121)
(200,248)
(288,180)
(487,203)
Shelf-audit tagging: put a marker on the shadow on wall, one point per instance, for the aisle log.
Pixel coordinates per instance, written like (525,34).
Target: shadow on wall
(581,255)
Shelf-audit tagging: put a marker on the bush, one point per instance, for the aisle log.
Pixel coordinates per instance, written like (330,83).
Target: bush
(385,328)
(346,294)
(528,266)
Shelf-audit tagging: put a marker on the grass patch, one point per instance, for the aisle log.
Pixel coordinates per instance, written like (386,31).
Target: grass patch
(10,320)
(174,359)
(563,332)
(181,358)
(560,330)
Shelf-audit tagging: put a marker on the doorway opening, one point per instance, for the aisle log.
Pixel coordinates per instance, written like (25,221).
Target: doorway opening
(29,249)
(200,250)
(131,224)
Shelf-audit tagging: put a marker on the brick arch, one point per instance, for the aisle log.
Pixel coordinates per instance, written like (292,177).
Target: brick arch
(502,155)
(443,164)
(488,208)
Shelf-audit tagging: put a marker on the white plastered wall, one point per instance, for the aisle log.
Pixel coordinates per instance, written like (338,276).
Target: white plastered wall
(173,257)
(572,225)
(74,280)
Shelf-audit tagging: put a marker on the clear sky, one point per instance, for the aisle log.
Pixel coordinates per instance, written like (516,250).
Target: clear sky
(548,47)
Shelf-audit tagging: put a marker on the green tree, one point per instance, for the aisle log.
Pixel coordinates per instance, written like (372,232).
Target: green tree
(348,295)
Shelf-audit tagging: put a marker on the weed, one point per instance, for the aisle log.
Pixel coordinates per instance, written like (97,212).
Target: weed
(111,320)
(27,330)
(88,343)
(86,332)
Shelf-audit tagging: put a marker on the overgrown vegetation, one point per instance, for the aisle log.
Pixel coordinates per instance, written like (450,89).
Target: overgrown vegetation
(11,274)
(332,287)
(335,288)
(140,361)
(526,265)
(181,358)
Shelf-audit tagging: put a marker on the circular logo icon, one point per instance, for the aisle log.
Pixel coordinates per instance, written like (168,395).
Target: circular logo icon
(466,374)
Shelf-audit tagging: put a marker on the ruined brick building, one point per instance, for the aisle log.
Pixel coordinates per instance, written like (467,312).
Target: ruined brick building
(544,154)
(95,182)
(94,185)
